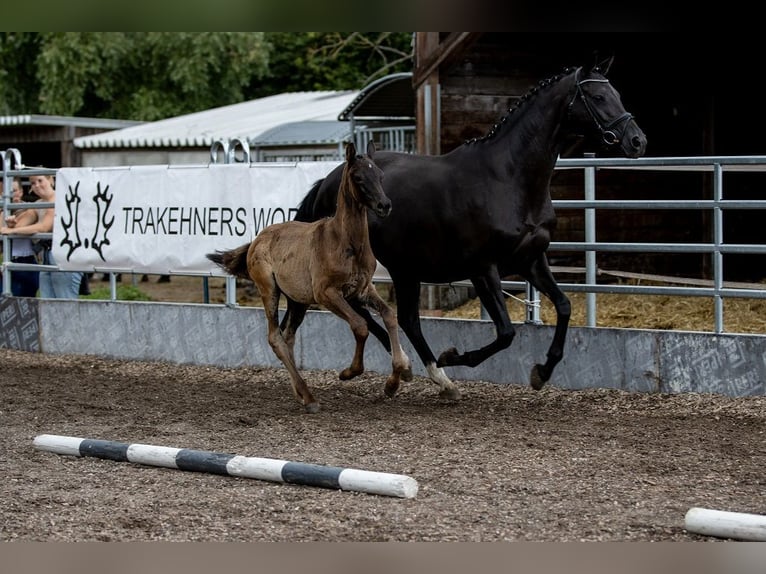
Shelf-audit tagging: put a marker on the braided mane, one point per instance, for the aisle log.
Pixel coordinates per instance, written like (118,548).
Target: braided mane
(524,99)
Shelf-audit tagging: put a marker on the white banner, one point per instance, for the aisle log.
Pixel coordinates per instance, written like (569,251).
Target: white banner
(164,219)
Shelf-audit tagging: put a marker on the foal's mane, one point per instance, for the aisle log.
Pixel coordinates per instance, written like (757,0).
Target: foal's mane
(523,101)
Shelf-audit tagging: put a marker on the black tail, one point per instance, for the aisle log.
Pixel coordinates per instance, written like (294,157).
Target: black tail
(233,261)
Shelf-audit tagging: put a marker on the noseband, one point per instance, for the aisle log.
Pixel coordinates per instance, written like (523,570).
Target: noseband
(607,131)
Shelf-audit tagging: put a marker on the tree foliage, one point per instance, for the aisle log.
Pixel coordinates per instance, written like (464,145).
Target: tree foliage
(333,60)
(153,75)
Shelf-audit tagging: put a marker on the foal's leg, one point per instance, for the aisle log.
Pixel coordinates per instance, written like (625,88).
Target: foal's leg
(408,301)
(292,319)
(379,332)
(401,366)
(283,348)
(333,300)
(541,277)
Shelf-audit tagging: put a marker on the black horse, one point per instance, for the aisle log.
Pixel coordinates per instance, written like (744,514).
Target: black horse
(483,211)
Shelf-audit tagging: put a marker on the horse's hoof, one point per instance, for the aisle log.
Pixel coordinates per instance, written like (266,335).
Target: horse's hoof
(406,375)
(450,393)
(447,358)
(535,379)
(312,408)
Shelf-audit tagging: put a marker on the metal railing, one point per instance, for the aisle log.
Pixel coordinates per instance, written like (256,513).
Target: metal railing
(718,166)
(13,167)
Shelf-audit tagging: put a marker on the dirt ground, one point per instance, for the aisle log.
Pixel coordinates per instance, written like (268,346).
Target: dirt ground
(505,463)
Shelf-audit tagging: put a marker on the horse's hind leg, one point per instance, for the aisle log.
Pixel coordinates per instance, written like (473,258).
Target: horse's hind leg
(407,302)
(292,319)
(541,278)
(490,293)
(283,348)
(400,362)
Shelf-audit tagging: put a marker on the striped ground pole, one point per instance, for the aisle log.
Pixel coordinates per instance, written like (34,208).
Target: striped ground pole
(273,470)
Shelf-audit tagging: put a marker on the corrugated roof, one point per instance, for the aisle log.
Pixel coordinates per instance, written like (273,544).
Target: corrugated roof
(246,120)
(389,97)
(301,133)
(43,120)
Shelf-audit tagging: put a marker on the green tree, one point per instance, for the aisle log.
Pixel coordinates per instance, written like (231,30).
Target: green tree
(19,85)
(146,75)
(153,75)
(332,60)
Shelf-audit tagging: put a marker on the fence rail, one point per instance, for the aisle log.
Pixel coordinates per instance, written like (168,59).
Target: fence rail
(718,166)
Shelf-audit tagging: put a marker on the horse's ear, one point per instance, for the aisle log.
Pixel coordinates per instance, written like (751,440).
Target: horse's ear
(350,151)
(371,148)
(602,66)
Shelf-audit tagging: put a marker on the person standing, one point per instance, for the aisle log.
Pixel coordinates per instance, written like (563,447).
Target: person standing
(23,283)
(53,284)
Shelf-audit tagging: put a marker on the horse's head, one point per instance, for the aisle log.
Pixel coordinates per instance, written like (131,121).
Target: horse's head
(596,103)
(366,180)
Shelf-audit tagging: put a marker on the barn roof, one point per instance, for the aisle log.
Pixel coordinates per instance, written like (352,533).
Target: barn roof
(44,120)
(245,120)
(305,132)
(390,97)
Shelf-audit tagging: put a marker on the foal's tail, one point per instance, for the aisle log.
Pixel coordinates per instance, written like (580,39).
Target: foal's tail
(233,261)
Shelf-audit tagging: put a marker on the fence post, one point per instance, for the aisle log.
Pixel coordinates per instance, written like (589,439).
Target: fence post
(11,158)
(229,148)
(590,237)
(717,241)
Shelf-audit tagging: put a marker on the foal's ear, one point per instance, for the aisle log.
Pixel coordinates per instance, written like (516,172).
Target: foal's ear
(350,151)
(371,148)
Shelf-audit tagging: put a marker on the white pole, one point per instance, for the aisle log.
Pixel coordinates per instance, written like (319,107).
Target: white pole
(275,470)
(722,524)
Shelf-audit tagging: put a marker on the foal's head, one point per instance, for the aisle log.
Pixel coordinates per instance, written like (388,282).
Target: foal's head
(364,180)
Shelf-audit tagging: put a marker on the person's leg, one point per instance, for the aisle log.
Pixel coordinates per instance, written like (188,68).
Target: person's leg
(46,277)
(46,285)
(66,284)
(25,283)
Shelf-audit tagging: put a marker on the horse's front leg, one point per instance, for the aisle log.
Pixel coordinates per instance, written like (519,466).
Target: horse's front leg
(407,312)
(541,277)
(490,293)
(333,300)
(400,362)
(379,332)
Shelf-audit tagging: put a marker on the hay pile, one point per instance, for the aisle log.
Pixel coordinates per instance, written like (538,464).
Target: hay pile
(644,312)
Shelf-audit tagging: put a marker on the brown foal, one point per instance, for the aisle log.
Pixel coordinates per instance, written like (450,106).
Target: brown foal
(327,262)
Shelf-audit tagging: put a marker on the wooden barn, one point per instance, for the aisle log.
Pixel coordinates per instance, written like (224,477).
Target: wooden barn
(691,98)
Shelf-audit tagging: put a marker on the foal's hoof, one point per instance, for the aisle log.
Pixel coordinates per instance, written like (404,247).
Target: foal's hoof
(349,373)
(312,408)
(447,358)
(536,379)
(392,385)
(450,393)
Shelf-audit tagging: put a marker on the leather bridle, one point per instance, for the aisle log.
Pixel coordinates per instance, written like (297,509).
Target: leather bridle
(607,130)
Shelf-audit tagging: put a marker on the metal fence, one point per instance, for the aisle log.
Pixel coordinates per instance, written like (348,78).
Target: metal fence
(718,166)
(13,167)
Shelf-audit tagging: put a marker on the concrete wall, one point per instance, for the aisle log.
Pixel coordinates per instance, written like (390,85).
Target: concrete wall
(629,359)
